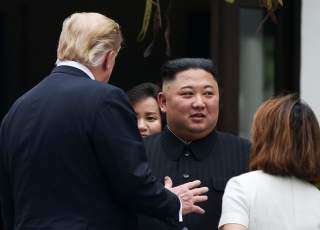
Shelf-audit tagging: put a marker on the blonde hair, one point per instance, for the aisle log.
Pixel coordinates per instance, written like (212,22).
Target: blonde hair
(86,37)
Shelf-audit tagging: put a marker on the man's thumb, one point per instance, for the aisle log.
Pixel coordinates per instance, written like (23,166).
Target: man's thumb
(167,182)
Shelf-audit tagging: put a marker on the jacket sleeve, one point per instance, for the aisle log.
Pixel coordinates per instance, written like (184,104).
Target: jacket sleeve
(122,156)
(6,200)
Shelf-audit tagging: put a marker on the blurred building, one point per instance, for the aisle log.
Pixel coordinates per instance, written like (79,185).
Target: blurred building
(253,63)
(310,54)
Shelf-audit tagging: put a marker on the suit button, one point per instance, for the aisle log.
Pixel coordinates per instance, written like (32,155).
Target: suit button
(186,175)
(184,228)
(187,154)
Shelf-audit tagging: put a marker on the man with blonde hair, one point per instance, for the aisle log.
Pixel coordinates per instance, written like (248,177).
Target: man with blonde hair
(71,156)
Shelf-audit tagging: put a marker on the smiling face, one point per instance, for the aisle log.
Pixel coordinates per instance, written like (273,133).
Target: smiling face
(148,116)
(191,103)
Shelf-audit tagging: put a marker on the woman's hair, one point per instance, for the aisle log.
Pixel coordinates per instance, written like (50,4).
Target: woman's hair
(86,37)
(286,139)
(143,91)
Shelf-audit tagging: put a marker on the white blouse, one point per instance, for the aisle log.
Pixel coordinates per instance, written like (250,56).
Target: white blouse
(261,201)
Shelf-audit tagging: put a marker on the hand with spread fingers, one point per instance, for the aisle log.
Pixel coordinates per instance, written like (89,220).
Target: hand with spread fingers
(189,194)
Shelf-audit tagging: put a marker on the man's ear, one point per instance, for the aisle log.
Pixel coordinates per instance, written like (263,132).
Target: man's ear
(108,58)
(162,101)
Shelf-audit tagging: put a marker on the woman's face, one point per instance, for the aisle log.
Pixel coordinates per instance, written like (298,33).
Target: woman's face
(148,116)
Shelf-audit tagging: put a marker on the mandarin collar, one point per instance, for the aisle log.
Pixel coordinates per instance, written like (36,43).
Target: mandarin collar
(174,147)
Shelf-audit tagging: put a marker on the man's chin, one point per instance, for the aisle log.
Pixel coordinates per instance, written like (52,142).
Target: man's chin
(200,128)
(201,125)
(197,128)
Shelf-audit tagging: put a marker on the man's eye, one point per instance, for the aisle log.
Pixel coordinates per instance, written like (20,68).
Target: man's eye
(187,94)
(208,93)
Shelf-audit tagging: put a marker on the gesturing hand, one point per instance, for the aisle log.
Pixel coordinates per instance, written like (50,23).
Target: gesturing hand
(189,194)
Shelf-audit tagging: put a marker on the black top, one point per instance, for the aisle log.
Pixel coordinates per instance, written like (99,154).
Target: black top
(71,157)
(213,160)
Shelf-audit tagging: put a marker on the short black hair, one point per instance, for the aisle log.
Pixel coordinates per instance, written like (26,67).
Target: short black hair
(172,67)
(142,91)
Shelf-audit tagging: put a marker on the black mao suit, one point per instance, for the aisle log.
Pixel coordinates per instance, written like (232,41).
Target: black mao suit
(213,160)
(71,157)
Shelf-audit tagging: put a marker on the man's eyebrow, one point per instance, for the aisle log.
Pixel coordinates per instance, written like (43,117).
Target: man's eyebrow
(186,87)
(190,87)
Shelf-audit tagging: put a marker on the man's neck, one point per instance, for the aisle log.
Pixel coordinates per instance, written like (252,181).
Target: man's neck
(77,65)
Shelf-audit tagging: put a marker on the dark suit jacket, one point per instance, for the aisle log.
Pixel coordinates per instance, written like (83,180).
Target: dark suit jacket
(71,157)
(213,160)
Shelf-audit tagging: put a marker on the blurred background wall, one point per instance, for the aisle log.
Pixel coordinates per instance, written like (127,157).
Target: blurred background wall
(310,54)
(253,64)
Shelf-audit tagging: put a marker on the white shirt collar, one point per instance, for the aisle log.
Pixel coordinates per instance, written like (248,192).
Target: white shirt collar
(78,66)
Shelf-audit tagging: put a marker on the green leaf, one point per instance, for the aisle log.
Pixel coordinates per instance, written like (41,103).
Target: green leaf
(146,20)
(269,5)
(280,2)
(230,1)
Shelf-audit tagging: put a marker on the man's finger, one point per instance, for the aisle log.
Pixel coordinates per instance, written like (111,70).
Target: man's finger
(199,191)
(192,184)
(197,199)
(197,209)
(167,182)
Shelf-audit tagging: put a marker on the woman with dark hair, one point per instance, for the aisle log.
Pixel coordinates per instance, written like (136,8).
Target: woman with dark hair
(143,99)
(281,192)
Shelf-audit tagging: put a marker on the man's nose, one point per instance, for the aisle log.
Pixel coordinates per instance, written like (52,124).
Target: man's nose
(198,102)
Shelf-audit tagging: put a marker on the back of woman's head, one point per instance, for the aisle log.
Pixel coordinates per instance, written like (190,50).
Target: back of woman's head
(286,139)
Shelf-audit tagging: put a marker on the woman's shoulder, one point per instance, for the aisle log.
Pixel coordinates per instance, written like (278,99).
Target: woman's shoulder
(251,180)
(249,176)
(260,179)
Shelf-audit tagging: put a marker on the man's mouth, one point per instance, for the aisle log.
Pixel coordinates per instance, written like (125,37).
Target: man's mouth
(197,116)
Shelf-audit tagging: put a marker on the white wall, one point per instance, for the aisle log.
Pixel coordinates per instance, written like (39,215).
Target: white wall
(310,54)
(251,75)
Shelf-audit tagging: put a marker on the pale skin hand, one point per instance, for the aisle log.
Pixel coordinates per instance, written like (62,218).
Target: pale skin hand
(233,227)
(189,194)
